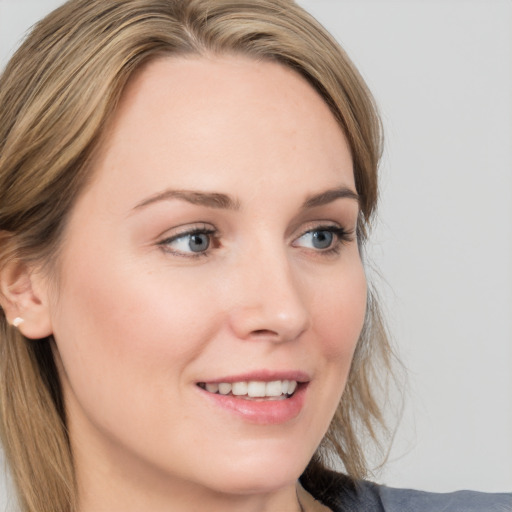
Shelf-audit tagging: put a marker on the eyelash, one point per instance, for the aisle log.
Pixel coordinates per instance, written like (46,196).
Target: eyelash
(210,232)
(341,237)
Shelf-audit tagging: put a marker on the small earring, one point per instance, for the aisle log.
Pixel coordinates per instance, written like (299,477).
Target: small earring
(17,321)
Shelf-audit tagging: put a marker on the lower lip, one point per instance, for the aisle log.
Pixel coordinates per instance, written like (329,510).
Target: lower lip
(264,412)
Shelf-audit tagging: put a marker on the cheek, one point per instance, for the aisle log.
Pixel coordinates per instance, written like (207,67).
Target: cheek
(126,338)
(339,313)
(116,324)
(127,315)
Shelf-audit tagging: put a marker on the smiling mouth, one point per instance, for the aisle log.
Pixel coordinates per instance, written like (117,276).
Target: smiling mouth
(253,390)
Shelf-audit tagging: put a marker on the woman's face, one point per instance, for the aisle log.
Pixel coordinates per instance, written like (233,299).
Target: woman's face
(214,247)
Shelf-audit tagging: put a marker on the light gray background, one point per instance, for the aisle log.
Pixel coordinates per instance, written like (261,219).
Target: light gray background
(442,75)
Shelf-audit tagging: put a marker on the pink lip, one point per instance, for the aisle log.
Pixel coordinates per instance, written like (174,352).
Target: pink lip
(261,412)
(262,375)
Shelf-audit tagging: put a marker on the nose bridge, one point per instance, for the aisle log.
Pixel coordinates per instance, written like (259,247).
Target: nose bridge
(269,299)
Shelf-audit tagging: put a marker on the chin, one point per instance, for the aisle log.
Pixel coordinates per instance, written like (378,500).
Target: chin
(257,474)
(256,482)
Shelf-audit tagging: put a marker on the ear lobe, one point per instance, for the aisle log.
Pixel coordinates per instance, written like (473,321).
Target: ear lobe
(23,296)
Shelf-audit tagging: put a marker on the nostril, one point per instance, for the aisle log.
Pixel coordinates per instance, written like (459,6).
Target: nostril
(264,332)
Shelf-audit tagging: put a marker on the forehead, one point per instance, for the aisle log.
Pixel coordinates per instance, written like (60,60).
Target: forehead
(195,120)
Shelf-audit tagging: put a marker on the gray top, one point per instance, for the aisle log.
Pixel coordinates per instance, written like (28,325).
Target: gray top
(408,500)
(342,494)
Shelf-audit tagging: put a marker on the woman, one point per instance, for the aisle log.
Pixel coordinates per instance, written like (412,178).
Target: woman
(186,189)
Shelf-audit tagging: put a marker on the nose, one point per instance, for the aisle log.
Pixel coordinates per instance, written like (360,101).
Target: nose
(269,302)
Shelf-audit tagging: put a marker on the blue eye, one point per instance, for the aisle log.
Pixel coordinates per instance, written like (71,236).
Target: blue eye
(322,238)
(197,242)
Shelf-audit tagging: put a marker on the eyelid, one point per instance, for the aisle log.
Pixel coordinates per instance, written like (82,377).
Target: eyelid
(185,229)
(323,225)
(342,235)
(170,236)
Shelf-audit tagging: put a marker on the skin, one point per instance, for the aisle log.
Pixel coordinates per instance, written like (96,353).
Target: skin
(139,322)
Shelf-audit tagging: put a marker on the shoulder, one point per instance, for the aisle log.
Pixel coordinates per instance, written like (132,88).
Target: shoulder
(408,500)
(342,494)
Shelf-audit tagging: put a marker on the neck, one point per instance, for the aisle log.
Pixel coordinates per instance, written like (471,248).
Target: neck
(183,498)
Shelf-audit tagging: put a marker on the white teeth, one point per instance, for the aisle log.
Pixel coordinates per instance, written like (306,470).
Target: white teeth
(224,388)
(239,388)
(274,388)
(212,388)
(254,388)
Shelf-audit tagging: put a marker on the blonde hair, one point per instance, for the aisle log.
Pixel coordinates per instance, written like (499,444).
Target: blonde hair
(57,94)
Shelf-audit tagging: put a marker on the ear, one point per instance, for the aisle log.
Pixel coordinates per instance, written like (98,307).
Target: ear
(23,295)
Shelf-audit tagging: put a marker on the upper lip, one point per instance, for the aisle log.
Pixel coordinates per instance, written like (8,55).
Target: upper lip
(262,375)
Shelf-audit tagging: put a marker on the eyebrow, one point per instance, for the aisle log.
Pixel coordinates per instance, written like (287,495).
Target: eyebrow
(328,196)
(208,199)
(223,201)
